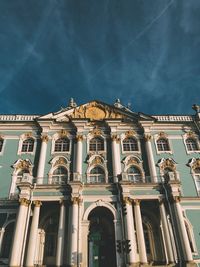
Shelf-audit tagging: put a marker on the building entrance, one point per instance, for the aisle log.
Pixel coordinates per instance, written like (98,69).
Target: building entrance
(101,239)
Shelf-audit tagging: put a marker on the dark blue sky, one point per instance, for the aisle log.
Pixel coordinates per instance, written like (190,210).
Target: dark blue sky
(146,52)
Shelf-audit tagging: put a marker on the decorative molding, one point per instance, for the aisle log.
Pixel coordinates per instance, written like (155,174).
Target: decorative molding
(173,118)
(63,133)
(96,131)
(129,133)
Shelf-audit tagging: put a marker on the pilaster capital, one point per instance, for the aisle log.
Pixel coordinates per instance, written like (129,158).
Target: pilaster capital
(115,137)
(79,137)
(45,138)
(136,202)
(37,203)
(147,137)
(24,202)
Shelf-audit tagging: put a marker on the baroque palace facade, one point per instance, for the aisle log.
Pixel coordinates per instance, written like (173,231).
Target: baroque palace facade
(99,185)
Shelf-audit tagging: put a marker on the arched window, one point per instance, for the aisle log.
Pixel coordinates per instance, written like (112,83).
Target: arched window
(1,144)
(134,174)
(7,240)
(163,144)
(130,144)
(60,175)
(96,144)
(191,144)
(97,175)
(27,145)
(61,145)
(197,179)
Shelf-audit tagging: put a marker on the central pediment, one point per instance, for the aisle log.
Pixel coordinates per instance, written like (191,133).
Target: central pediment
(94,111)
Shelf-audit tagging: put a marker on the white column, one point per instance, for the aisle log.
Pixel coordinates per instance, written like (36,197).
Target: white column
(130,230)
(140,233)
(33,235)
(61,235)
(79,152)
(166,232)
(19,233)
(150,158)
(116,157)
(118,236)
(85,232)
(182,230)
(42,159)
(74,233)
(2,231)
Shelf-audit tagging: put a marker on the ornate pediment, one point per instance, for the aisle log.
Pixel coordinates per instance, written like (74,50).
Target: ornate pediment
(95,111)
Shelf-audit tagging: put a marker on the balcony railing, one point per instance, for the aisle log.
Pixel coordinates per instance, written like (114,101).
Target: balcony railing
(135,179)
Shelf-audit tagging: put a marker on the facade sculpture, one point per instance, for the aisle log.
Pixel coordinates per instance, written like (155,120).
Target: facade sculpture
(99,185)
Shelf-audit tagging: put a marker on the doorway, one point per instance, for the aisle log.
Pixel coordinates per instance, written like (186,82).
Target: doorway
(101,239)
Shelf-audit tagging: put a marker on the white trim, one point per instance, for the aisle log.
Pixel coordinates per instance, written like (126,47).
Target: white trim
(3,146)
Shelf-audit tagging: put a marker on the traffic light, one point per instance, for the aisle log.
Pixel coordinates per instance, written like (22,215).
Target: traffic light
(119,246)
(127,246)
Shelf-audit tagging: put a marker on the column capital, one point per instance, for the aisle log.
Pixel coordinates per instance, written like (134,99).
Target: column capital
(161,201)
(147,137)
(136,202)
(127,200)
(176,199)
(24,202)
(45,138)
(37,203)
(115,137)
(79,137)
(76,200)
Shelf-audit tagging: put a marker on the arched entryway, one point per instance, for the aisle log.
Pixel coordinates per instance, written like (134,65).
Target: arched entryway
(101,238)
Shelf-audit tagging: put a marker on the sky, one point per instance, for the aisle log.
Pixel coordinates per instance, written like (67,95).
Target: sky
(144,52)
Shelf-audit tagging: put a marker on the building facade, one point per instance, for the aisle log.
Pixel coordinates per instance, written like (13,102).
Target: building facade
(99,185)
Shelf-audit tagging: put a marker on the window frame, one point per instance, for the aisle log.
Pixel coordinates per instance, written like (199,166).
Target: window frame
(97,175)
(99,152)
(130,144)
(134,175)
(21,140)
(168,142)
(195,140)
(57,137)
(62,144)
